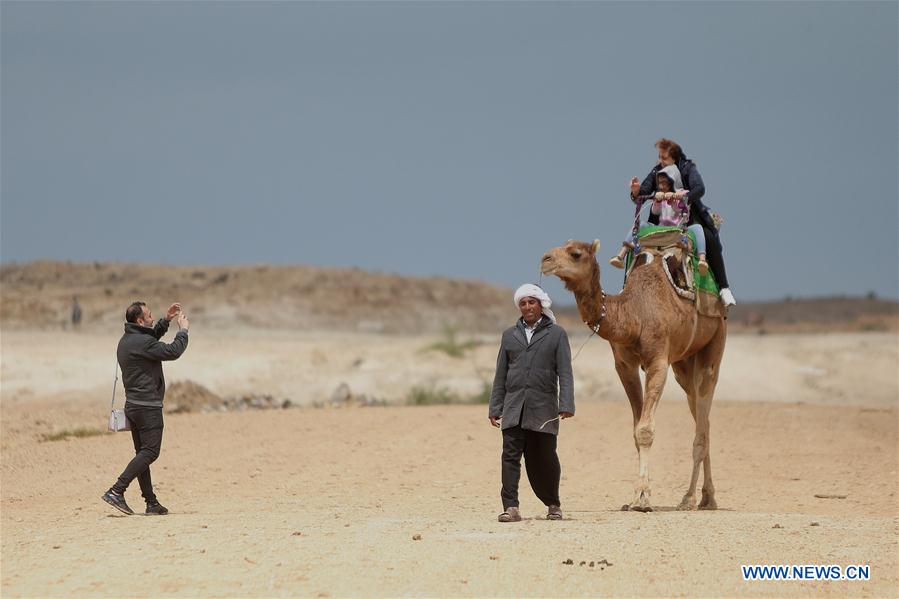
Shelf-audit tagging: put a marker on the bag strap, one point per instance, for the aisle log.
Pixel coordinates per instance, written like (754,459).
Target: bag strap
(112,405)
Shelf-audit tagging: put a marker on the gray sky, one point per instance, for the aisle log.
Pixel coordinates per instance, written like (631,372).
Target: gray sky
(459,139)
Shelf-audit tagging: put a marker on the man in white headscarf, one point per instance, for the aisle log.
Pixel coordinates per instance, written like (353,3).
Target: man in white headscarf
(533,389)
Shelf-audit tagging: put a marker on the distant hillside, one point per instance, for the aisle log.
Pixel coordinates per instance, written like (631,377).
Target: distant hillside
(39,295)
(801,315)
(838,313)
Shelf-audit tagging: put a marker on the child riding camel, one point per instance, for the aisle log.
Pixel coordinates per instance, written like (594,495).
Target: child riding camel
(672,208)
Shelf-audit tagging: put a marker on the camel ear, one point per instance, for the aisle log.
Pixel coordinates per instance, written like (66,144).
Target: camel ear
(595,246)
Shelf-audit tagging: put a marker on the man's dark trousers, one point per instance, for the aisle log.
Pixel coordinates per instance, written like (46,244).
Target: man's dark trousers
(146,432)
(540,460)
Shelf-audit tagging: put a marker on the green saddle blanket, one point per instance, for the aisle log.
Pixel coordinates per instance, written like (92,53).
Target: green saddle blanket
(703,283)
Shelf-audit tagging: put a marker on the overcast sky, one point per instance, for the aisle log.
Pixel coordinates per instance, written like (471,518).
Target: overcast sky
(460,139)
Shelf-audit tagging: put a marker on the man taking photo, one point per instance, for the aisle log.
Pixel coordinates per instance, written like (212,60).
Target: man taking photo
(140,355)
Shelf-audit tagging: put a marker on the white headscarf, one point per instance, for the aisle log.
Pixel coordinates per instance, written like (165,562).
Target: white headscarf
(673,174)
(531,290)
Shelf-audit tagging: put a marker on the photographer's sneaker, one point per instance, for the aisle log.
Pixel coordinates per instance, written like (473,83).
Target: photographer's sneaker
(156,509)
(117,501)
(727,298)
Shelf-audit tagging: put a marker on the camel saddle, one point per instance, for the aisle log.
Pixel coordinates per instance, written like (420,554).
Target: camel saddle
(674,247)
(662,238)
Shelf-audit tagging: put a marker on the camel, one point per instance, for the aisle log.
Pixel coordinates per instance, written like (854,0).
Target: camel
(650,326)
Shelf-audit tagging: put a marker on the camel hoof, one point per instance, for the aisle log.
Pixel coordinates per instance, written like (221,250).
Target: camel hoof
(687,504)
(625,507)
(708,502)
(641,504)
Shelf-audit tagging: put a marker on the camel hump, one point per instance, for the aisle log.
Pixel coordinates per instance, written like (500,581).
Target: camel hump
(673,247)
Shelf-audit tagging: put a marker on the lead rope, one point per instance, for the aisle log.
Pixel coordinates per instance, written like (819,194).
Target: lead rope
(548,421)
(582,345)
(572,360)
(595,331)
(594,328)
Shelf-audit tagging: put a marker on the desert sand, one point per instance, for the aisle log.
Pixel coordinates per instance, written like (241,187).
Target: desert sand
(328,501)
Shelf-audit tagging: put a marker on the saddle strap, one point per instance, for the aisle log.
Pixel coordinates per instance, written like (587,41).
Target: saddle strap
(116,380)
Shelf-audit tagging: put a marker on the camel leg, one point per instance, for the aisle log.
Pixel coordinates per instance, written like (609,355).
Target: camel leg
(708,363)
(704,407)
(685,372)
(644,431)
(627,366)
(701,447)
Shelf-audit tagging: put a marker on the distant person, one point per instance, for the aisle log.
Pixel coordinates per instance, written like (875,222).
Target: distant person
(671,208)
(671,153)
(140,355)
(532,390)
(76,313)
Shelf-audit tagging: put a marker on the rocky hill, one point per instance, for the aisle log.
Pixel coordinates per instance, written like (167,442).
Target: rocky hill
(40,294)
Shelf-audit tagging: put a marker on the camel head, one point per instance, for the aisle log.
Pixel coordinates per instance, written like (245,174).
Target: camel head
(574,263)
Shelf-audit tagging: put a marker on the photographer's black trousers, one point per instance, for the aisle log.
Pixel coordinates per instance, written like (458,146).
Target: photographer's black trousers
(146,432)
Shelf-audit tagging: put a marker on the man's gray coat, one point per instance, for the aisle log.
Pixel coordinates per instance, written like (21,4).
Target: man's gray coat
(533,381)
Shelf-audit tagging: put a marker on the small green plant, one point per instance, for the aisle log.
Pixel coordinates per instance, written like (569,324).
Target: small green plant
(436,396)
(450,345)
(77,433)
(431,396)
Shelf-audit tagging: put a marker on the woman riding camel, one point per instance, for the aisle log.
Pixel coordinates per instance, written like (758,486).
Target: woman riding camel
(671,153)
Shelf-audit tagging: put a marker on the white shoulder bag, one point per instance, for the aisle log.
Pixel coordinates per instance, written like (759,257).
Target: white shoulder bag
(117,420)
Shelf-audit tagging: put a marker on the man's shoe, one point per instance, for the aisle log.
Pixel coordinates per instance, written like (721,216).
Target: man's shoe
(616,262)
(727,298)
(156,509)
(510,515)
(554,513)
(117,501)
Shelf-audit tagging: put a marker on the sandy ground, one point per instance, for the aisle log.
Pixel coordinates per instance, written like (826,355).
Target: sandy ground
(325,502)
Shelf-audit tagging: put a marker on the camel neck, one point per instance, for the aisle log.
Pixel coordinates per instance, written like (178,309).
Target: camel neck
(599,311)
